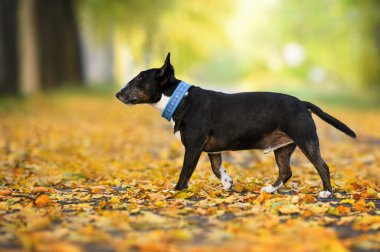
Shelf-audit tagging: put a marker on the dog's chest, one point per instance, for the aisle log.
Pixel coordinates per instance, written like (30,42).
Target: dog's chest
(177,133)
(160,105)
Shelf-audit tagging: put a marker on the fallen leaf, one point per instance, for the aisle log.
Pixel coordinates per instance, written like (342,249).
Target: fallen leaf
(5,192)
(43,201)
(40,189)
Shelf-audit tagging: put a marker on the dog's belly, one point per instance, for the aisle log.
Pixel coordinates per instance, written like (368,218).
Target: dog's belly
(268,142)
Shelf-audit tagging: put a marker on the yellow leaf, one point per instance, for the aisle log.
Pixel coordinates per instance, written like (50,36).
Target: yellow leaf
(371,191)
(289,209)
(152,218)
(350,201)
(181,234)
(371,204)
(160,203)
(157,196)
(114,200)
(86,198)
(184,195)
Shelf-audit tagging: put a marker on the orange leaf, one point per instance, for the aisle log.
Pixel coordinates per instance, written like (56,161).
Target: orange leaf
(308,213)
(238,187)
(361,202)
(5,192)
(96,190)
(40,189)
(365,195)
(309,198)
(343,209)
(360,205)
(356,196)
(43,200)
(263,197)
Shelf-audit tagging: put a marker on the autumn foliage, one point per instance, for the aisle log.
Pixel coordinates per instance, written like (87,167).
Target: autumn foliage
(88,173)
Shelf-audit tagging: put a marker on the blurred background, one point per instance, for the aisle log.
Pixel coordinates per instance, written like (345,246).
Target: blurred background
(320,49)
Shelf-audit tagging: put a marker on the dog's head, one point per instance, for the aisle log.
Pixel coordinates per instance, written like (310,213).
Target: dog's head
(148,85)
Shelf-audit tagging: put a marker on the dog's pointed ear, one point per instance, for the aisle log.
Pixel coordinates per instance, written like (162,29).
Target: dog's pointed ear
(166,71)
(167,60)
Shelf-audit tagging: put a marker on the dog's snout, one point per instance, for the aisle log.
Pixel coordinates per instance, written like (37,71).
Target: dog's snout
(120,95)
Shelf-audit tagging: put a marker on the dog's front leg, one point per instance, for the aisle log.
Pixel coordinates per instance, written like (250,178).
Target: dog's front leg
(219,171)
(190,162)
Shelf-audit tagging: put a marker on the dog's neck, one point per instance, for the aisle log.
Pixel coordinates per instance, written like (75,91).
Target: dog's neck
(170,87)
(167,92)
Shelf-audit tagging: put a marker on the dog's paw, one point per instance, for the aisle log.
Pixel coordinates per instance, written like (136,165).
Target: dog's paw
(270,188)
(228,185)
(180,187)
(226,180)
(324,194)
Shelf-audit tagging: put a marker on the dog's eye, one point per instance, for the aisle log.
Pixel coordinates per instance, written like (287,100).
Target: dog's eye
(140,78)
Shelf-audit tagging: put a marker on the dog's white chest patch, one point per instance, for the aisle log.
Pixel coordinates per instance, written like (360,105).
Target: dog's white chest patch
(160,105)
(177,133)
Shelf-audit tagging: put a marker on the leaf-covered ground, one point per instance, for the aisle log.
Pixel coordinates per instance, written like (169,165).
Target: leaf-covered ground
(90,174)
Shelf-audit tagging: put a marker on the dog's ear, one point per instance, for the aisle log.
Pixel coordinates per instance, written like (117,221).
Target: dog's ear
(166,72)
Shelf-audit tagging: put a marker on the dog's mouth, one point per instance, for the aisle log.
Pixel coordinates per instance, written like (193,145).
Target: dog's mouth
(131,101)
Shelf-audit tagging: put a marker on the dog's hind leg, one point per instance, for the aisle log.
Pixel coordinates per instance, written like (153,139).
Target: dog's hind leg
(282,156)
(312,152)
(303,131)
(219,171)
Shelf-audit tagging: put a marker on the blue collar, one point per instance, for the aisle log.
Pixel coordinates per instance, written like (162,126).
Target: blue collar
(174,100)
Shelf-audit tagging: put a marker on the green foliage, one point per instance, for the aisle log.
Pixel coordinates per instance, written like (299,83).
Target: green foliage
(243,41)
(152,28)
(338,35)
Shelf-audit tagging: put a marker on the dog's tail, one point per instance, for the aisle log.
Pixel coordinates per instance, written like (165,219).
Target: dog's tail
(329,119)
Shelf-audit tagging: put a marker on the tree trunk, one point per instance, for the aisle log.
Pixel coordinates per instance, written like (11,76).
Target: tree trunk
(28,48)
(8,47)
(39,45)
(60,58)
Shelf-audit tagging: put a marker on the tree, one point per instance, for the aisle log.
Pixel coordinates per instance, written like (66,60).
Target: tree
(39,45)
(8,47)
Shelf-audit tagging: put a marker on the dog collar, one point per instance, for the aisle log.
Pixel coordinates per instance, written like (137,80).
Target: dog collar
(174,100)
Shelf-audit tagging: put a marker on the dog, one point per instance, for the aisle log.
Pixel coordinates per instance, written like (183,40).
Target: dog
(213,122)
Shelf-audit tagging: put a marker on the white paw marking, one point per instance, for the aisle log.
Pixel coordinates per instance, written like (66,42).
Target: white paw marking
(270,188)
(324,194)
(226,180)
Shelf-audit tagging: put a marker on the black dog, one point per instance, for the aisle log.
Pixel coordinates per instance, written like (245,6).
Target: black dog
(214,122)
